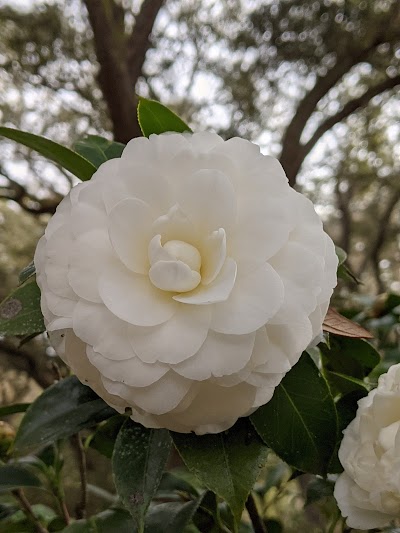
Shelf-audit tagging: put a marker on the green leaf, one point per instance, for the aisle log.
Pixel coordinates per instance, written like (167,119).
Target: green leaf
(27,272)
(60,411)
(341,255)
(66,158)
(103,440)
(109,521)
(299,421)
(349,356)
(227,463)
(170,517)
(6,410)
(344,384)
(138,461)
(98,150)
(17,476)
(155,118)
(20,312)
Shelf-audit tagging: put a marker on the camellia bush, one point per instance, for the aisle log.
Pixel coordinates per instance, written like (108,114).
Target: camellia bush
(186,286)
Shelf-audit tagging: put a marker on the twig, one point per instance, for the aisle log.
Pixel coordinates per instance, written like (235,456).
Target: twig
(255,518)
(26,506)
(80,509)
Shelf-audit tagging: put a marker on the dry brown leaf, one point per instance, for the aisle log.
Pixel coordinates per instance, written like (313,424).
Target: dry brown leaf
(340,325)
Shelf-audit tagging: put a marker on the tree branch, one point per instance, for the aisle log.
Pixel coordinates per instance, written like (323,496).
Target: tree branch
(380,239)
(113,77)
(350,108)
(139,41)
(293,153)
(121,59)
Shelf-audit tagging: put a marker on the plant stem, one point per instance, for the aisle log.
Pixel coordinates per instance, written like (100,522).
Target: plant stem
(80,509)
(26,507)
(255,518)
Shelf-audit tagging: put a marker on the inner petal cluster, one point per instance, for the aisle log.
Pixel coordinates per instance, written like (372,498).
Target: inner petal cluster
(178,270)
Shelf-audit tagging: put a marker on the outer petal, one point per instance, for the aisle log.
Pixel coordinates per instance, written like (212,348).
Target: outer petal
(129,227)
(132,372)
(356,517)
(133,298)
(176,339)
(209,201)
(141,182)
(159,398)
(90,254)
(98,327)
(220,355)
(256,297)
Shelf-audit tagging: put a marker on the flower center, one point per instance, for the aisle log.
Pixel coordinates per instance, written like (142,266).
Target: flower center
(175,267)
(185,252)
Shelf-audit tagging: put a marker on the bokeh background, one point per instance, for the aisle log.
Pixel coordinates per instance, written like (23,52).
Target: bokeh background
(315,83)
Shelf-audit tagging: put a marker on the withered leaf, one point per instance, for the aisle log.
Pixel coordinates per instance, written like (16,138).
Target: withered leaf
(339,325)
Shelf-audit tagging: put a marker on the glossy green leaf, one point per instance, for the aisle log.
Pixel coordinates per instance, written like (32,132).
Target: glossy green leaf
(97,149)
(6,410)
(227,463)
(66,158)
(300,422)
(341,255)
(138,461)
(155,118)
(27,272)
(60,411)
(349,356)
(17,476)
(170,517)
(103,440)
(344,384)
(109,521)
(20,312)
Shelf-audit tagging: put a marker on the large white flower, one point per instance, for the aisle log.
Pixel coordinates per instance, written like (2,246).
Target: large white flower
(368,492)
(185,279)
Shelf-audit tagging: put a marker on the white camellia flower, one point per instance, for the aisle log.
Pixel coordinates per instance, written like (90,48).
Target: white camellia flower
(185,279)
(368,491)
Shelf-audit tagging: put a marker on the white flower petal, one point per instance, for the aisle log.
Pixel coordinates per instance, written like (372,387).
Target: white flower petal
(90,254)
(217,291)
(256,297)
(132,372)
(213,255)
(208,200)
(261,232)
(175,340)
(216,408)
(175,225)
(156,251)
(158,398)
(129,227)
(173,276)
(98,327)
(140,182)
(268,356)
(133,298)
(356,516)
(220,355)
